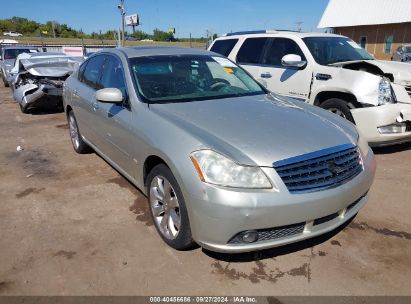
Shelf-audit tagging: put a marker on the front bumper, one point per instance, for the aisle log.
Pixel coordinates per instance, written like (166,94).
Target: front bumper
(369,120)
(218,214)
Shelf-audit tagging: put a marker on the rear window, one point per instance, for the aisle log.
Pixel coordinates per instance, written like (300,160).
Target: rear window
(251,50)
(13,53)
(224,47)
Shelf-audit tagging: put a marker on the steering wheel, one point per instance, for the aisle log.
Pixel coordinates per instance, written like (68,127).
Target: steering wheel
(219,83)
(154,88)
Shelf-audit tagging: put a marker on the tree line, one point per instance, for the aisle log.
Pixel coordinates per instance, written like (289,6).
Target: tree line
(55,29)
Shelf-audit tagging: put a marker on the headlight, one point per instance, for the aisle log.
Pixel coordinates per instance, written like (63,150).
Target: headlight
(362,144)
(217,169)
(385,92)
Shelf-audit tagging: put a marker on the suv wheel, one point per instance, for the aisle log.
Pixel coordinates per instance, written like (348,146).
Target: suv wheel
(338,107)
(79,145)
(167,208)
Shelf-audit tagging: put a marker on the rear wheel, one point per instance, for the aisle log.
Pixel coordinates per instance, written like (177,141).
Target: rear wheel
(6,84)
(167,208)
(338,107)
(79,145)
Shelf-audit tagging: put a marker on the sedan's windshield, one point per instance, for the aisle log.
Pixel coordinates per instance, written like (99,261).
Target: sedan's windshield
(407,49)
(13,53)
(161,79)
(329,50)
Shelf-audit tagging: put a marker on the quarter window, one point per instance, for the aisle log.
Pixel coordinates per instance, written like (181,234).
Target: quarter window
(279,48)
(224,47)
(92,72)
(251,50)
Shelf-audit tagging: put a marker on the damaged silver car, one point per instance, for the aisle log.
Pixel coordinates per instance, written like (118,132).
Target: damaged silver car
(37,78)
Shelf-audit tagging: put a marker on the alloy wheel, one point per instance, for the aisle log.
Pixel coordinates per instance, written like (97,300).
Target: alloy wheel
(164,207)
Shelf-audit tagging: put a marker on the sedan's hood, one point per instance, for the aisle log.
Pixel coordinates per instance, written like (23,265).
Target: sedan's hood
(258,129)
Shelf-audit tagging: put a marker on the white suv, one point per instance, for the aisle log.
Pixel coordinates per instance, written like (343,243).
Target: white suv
(332,72)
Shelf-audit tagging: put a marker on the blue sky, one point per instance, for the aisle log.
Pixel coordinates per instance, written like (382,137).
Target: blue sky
(195,16)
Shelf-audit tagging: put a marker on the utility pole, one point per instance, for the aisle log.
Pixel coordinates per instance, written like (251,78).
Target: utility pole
(53,27)
(299,26)
(122,13)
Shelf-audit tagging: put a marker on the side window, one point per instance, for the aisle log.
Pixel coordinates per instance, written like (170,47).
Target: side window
(113,75)
(81,71)
(224,47)
(92,72)
(251,50)
(279,48)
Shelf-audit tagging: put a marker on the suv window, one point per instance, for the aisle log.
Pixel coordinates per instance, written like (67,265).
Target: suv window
(251,50)
(113,75)
(92,72)
(224,47)
(279,48)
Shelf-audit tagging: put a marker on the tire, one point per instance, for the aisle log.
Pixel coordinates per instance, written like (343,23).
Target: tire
(23,109)
(338,107)
(79,145)
(6,84)
(170,215)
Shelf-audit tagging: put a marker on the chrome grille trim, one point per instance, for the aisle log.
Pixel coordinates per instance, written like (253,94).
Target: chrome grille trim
(320,170)
(408,89)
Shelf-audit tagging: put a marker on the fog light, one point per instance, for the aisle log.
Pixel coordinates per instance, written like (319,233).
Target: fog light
(392,129)
(250,236)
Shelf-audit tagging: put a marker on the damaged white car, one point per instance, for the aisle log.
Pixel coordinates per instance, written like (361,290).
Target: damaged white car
(332,72)
(37,78)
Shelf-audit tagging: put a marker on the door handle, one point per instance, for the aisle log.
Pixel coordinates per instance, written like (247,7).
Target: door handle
(95,106)
(266,75)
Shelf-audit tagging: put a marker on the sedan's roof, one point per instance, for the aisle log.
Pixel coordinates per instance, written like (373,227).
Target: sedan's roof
(141,51)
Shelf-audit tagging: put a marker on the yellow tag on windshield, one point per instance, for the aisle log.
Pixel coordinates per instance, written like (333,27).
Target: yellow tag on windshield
(229,70)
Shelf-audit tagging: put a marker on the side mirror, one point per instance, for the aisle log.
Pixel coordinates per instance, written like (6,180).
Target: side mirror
(109,95)
(292,60)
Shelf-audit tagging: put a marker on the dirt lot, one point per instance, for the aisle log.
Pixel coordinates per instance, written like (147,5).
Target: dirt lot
(71,225)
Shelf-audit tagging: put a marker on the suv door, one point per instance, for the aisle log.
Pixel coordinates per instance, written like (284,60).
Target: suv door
(116,120)
(250,54)
(84,93)
(289,81)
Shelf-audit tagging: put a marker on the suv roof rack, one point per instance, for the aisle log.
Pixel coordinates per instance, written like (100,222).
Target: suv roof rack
(259,32)
(251,32)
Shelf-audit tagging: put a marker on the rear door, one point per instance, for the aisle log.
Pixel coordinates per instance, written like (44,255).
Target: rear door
(250,55)
(85,94)
(290,81)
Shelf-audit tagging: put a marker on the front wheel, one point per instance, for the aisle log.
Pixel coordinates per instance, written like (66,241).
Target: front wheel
(167,208)
(338,107)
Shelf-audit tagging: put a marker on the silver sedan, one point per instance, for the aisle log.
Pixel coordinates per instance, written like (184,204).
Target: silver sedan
(224,163)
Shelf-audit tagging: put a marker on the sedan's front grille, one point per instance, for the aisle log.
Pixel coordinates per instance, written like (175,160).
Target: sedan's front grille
(408,89)
(320,170)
